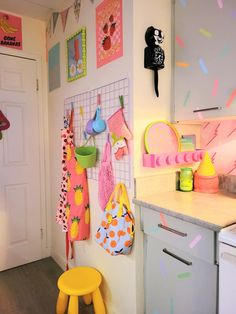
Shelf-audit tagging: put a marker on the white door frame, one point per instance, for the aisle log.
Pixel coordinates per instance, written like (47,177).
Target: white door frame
(42,102)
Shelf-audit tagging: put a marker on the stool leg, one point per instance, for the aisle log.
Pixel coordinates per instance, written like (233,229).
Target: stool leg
(98,304)
(87,299)
(73,305)
(61,303)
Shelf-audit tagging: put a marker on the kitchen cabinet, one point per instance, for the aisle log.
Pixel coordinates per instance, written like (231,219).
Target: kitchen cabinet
(204,57)
(180,277)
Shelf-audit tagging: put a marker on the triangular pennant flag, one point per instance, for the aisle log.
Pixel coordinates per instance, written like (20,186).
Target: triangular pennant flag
(77,4)
(64,15)
(49,28)
(54,20)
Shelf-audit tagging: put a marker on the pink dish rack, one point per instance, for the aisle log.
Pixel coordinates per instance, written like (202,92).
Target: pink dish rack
(172,159)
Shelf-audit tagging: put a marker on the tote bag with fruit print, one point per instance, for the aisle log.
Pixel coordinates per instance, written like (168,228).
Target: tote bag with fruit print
(116,232)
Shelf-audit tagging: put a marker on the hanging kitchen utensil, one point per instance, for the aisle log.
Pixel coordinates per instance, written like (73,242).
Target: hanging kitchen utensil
(98,125)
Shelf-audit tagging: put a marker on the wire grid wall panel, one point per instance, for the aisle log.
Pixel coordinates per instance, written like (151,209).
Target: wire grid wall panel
(109,104)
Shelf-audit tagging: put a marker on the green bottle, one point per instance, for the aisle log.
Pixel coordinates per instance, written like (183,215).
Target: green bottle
(186,179)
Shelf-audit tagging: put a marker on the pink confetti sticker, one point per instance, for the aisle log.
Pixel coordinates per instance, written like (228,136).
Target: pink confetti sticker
(163,220)
(195,241)
(220,3)
(215,88)
(231,98)
(199,114)
(179,41)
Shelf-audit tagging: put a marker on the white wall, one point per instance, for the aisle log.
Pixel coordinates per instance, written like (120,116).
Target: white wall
(118,287)
(34,43)
(147,107)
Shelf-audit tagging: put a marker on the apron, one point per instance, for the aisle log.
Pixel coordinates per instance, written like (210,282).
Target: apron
(66,138)
(73,211)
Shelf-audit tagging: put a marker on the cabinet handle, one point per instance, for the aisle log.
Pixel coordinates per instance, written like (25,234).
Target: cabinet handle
(207,109)
(173,230)
(177,257)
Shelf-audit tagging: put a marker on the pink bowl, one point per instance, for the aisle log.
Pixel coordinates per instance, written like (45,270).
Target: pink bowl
(206,184)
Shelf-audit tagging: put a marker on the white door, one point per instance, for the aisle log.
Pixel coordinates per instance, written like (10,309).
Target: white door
(20,236)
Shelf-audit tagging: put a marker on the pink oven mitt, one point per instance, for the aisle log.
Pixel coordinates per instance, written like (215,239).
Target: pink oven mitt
(119,132)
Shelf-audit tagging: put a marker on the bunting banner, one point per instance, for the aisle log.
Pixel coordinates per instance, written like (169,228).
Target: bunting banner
(64,16)
(49,28)
(54,20)
(77,4)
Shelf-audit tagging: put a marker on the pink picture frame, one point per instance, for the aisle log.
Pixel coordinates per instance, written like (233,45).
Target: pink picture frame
(10,31)
(109,31)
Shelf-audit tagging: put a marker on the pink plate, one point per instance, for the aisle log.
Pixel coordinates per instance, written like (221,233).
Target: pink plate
(161,137)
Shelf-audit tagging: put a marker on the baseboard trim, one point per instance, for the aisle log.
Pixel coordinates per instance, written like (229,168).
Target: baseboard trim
(61,260)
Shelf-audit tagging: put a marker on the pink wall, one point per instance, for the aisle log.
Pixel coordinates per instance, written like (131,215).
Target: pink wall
(219,139)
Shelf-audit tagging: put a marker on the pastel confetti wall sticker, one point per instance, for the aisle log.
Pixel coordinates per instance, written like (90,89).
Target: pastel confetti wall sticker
(152,229)
(179,41)
(203,66)
(184,275)
(195,241)
(231,98)
(182,64)
(224,51)
(163,220)
(187,98)
(234,13)
(163,269)
(183,2)
(215,88)
(220,4)
(199,114)
(205,32)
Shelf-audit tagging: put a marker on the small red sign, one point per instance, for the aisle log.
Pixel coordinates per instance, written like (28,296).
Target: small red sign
(10,31)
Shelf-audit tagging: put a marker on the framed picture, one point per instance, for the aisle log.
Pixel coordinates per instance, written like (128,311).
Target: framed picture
(54,74)
(109,31)
(76,55)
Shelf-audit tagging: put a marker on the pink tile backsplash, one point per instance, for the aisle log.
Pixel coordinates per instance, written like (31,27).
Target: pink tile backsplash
(219,139)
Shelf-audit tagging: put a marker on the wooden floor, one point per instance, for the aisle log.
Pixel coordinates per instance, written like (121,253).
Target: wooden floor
(32,289)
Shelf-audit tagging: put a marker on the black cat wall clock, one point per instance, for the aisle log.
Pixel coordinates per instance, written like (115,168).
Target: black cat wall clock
(154,55)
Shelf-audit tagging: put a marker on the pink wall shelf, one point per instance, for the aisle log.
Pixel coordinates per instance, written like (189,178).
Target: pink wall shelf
(172,159)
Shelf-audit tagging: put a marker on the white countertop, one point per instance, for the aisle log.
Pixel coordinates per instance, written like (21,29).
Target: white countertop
(212,211)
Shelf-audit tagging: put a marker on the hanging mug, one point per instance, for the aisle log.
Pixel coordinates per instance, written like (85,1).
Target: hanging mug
(99,125)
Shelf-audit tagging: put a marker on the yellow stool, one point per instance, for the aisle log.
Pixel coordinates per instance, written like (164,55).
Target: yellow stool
(79,281)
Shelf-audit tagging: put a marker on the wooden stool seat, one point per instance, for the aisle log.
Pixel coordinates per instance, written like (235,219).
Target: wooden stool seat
(79,281)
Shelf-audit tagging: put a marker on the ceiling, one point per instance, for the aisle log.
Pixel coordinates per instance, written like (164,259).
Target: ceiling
(38,9)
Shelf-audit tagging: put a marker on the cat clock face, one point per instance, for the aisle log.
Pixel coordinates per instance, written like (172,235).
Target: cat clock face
(154,36)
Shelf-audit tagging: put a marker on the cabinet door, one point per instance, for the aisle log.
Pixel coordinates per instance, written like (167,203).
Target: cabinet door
(204,59)
(176,282)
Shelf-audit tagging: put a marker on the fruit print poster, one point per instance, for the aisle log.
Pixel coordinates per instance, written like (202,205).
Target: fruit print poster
(76,55)
(109,31)
(10,31)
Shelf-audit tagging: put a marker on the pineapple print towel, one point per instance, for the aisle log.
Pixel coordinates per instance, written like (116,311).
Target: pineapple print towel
(77,207)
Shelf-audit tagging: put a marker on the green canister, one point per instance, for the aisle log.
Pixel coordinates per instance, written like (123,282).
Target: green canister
(186,179)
